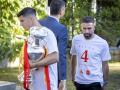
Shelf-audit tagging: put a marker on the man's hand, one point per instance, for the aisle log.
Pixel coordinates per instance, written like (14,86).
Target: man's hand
(62,85)
(32,65)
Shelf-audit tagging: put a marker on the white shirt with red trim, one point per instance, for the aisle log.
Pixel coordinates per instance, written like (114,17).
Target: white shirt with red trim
(90,54)
(45,77)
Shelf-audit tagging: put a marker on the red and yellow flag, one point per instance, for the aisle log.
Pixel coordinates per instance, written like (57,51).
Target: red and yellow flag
(26,67)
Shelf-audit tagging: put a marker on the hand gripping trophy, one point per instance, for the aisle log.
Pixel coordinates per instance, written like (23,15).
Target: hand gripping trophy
(35,49)
(36,44)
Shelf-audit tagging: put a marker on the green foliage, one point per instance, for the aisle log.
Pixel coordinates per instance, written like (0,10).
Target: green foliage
(9,74)
(74,12)
(107,18)
(108,22)
(39,6)
(7,22)
(9,26)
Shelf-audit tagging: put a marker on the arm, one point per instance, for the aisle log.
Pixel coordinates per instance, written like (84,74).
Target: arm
(105,69)
(105,56)
(73,59)
(73,66)
(49,59)
(52,51)
(62,64)
(62,47)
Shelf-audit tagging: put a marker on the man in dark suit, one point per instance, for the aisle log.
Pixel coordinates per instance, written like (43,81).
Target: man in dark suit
(57,10)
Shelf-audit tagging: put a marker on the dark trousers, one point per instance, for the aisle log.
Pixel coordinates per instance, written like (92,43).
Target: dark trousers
(92,86)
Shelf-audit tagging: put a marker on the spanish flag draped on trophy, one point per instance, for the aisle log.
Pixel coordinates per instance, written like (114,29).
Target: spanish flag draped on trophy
(25,76)
(24,61)
(26,67)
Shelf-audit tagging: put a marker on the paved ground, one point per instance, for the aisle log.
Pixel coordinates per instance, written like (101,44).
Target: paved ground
(4,85)
(19,88)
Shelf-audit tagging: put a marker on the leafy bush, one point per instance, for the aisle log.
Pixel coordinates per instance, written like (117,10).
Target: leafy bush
(9,26)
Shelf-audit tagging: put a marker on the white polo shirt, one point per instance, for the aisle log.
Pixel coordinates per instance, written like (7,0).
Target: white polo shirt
(90,54)
(40,79)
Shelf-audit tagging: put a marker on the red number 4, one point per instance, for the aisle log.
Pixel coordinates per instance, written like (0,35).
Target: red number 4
(85,56)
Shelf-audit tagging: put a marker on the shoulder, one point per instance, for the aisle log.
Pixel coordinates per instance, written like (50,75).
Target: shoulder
(101,40)
(42,20)
(62,29)
(46,20)
(47,30)
(50,34)
(78,37)
(61,25)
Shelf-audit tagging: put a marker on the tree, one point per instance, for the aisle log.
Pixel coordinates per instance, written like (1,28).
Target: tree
(107,18)
(75,10)
(9,27)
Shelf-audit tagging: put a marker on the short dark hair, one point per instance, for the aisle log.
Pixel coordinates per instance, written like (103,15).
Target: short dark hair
(88,19)
(56,6)
(27,11)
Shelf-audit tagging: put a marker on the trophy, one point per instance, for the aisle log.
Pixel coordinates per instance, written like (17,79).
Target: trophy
(36,47)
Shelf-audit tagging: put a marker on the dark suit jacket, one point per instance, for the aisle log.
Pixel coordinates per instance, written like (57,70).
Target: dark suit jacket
(60,32)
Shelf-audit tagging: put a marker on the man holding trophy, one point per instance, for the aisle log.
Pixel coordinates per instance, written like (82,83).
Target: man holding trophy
(41,51)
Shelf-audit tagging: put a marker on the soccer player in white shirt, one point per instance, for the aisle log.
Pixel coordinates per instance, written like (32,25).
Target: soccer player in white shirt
(89,58)
(45,76)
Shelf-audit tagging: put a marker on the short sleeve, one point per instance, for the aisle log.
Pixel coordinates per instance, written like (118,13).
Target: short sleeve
(51,42)
(105,54)
(73,50)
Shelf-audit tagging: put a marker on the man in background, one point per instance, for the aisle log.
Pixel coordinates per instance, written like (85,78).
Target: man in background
(90,55)
(44,71)
(57,10)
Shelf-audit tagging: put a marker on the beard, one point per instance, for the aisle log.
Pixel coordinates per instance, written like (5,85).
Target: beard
(87,35)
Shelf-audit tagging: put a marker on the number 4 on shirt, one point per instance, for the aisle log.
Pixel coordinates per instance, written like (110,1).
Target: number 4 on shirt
(85,56)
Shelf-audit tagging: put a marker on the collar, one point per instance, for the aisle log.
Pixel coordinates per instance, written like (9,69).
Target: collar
(54,18)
